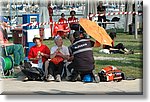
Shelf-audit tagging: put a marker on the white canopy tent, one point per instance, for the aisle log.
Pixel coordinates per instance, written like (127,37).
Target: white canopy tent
(128,18)
(90,7)
(44,17)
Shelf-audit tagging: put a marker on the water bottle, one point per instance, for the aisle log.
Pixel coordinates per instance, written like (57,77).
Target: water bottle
(40,63)
(96,77)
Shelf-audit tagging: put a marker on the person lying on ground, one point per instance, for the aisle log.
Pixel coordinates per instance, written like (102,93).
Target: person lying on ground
(119,48)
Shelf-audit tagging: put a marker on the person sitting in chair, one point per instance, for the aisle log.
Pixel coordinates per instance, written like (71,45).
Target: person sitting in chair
(54,66)
(37,49)
(37,52)
(11,49)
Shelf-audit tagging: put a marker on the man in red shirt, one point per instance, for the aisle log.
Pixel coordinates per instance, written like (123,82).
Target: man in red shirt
(62,28)
(35,54)
(73,21)
(39,47)
(62,19)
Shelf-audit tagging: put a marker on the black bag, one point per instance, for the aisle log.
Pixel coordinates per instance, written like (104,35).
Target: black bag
(33,73)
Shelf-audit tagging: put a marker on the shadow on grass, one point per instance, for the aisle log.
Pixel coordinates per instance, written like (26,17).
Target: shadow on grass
(135,47)
(130,63)
(130,41)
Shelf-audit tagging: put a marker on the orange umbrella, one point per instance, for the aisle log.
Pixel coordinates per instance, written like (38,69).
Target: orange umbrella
(95,31)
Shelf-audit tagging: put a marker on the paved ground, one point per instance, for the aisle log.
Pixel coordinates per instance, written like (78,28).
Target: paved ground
(14,86)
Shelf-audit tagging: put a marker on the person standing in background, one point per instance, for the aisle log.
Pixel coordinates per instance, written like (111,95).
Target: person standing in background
(50,10)
(62,19)
(101,10)
(73,21)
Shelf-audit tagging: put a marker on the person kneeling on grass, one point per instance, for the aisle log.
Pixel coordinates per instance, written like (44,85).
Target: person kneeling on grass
(54,66)
(83,61)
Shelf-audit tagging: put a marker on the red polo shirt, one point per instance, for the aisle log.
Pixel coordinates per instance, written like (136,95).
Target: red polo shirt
(33,52)
(72,19)
(62,20)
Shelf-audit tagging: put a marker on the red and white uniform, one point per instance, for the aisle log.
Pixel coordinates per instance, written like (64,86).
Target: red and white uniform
(72,19)
(61,28)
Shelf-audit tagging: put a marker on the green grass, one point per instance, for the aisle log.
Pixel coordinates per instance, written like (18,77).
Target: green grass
(132,65)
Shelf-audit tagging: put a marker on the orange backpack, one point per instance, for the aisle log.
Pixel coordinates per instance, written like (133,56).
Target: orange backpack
(111,73)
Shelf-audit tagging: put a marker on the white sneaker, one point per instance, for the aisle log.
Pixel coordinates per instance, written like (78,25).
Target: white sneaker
(50,78)
(25,79)
(58,78)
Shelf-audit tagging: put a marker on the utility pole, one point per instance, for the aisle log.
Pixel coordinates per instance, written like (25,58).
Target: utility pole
(136,20)
(10,13)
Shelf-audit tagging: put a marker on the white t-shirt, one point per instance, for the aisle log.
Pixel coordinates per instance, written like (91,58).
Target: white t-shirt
(64,50)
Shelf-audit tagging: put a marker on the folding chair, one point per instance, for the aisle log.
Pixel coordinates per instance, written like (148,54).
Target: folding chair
(115,19)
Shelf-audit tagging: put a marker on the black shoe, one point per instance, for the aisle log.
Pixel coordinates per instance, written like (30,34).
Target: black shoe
(132,52)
